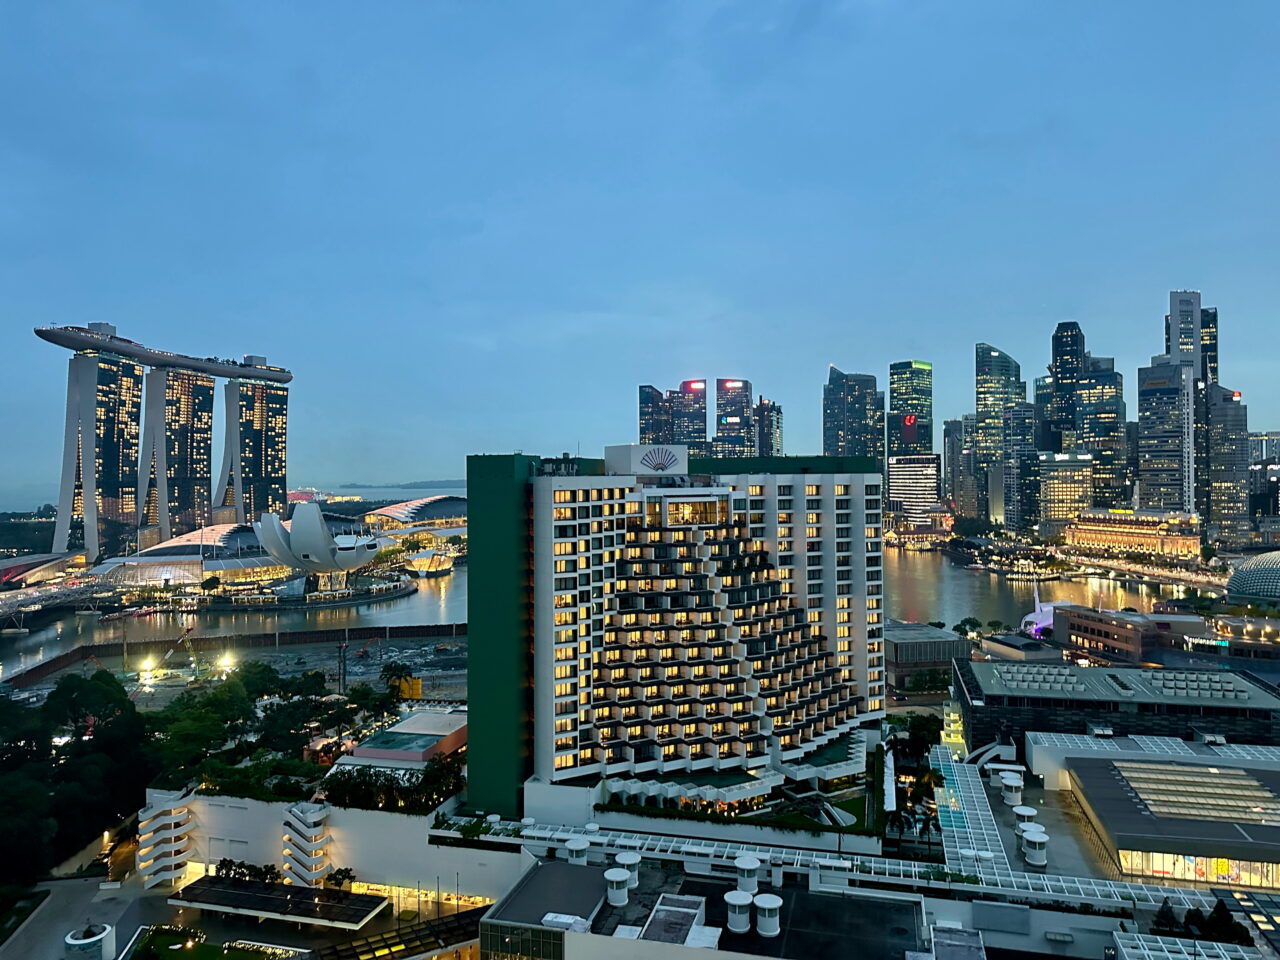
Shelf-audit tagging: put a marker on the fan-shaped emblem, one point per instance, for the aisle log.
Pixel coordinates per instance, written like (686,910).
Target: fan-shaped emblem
(659,459)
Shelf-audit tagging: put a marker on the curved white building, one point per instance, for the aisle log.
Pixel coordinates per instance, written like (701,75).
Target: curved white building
(307,544)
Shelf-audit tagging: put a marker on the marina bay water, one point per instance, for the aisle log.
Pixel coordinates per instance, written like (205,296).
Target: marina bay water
(919,586)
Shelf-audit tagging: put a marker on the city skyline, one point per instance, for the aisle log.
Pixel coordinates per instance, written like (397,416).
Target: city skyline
(992,222)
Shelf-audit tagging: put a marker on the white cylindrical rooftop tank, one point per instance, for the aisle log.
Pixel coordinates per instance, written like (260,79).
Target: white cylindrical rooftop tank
(577,849)
(738,903)
(615,880)
(748,870)
(629,860)
(768,909)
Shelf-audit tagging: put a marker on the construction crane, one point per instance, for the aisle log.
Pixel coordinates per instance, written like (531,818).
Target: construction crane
(185,641)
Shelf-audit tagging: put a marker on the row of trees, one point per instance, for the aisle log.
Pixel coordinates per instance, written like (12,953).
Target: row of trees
(372,788)
(1219,926)
(79,763)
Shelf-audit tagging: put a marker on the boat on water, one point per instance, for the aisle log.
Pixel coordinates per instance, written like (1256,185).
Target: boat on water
(981,567)
(117,615)
(1030,576)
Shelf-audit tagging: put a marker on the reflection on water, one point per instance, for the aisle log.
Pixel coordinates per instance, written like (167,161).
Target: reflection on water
(437,600)
(928,586)
(920,586)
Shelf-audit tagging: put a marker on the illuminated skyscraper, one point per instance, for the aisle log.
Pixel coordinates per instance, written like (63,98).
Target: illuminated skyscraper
(177,449)
(768,429)
(998,385)
(1021,473)
(852,416)
(913,488)
(1228,467)
(910,416)
(735,420)
(115,495)
(98,502)
(1101,429)
(252,481)
(1066,369)
(1166,435)
(689,416)
(656,423)
(1066,490)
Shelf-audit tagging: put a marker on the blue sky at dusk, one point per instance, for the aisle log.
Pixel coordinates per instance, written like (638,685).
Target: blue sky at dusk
(476,227)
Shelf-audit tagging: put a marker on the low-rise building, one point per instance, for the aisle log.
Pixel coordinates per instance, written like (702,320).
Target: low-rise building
(1122,636)
(1008,699)
(1015,647)
(1116,532)
(914,650)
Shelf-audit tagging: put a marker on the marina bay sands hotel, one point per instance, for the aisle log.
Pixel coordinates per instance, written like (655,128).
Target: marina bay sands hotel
(137,460)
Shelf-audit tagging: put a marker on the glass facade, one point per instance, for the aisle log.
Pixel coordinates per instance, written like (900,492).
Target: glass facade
(998,385)
(910,415)
(852,416)
(1178,866)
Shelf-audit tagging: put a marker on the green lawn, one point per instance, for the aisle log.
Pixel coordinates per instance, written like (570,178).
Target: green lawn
(163,940)
(856,806)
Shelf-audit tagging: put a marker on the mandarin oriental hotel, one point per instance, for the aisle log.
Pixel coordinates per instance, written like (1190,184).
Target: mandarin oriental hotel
(698,631)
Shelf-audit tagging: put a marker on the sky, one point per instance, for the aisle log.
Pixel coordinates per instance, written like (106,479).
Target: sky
(477,227)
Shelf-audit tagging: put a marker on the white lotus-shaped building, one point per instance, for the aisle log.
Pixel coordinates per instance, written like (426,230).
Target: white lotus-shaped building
(307,544)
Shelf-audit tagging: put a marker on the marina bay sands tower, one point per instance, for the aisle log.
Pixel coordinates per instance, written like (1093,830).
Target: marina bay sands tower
(138,446)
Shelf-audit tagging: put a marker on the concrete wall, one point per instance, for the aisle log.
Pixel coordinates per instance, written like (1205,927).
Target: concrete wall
(248,830)
(592,946)
(393,848)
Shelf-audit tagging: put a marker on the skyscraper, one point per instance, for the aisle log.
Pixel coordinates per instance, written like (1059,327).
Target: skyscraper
(588,674)
(998,384)
(252,480)
(735,420)
(115,495)
(768,428)
(689,416)
(656,420)
(1021,477)
(913,487)
(1166,435)
(910,416)
(1066,368)
(1186,337)
(98,503)
(1228,467)
(852,416)
(1101,429)
(176,465)
(1066,489)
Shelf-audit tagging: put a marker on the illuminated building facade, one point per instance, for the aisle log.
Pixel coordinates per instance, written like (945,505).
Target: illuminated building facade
(1227,519)
(735,420)
(852,416)
(768,428)
(1166,435)
(1066,489)
(654,617)
(689,415)
(1021,475)
(1115,532)
(177,450)
(910,416)
(998,385)
(913,488)
(98,499)
(1066,370)
(252,480)
(656,416)
(130,481)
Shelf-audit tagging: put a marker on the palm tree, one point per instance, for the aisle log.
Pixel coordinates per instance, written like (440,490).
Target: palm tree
(928,826)
(900,820)
(393,674)
(928,779)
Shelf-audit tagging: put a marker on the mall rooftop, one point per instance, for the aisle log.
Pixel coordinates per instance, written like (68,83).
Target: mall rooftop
(1131,685)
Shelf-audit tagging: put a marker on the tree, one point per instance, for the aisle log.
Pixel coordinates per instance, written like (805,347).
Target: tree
(928,825)
(995,625)
(967,626)
(900,821)
(210,583)
(340,878)
(927,780)
(393,674)
(259,679)
(940,624)
(1166,921)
